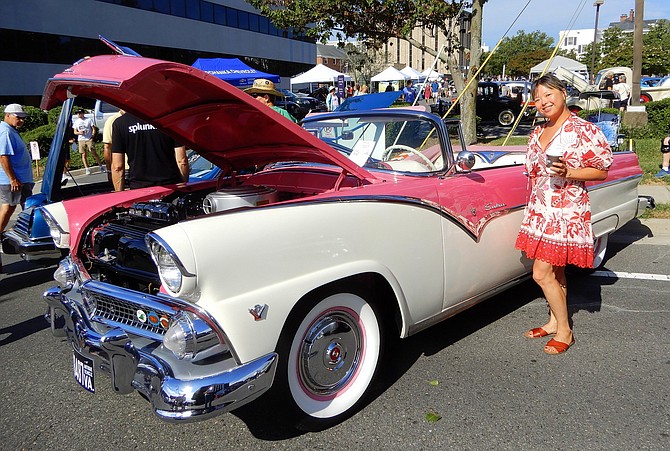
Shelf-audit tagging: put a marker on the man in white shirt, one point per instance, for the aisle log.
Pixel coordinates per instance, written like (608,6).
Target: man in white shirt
(83,129)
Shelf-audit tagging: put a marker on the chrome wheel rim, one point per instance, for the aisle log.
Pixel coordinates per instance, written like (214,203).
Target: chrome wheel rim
(330,353)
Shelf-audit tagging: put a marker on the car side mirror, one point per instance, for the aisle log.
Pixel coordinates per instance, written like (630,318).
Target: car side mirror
(465,161)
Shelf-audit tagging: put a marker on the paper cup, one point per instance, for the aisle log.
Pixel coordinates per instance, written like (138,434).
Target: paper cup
(552,157)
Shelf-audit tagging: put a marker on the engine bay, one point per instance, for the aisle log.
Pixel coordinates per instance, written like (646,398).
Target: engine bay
(114,249)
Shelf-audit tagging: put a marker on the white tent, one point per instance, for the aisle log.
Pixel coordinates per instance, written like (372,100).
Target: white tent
(319,74)
(390,74)
(431,74)
(561,61)
(413,73)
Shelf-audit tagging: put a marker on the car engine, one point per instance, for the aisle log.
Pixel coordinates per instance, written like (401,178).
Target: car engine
(114,250)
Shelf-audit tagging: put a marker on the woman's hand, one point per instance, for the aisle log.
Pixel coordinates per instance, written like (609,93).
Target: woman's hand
(581,174)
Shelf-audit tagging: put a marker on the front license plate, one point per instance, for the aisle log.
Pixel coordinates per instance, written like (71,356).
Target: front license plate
(83,371)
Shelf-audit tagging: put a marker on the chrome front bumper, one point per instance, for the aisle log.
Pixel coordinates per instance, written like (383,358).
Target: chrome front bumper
(136,367)
(29,249)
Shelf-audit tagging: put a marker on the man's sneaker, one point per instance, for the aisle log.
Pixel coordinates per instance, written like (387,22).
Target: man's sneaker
(662,173)
(102,168)
(88,171)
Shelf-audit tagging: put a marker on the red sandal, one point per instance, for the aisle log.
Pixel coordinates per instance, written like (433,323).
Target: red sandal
(537,332)
(558,346)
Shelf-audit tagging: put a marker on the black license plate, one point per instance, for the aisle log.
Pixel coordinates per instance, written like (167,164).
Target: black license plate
(83,371)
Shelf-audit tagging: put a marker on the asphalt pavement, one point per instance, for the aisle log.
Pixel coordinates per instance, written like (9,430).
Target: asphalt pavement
(471,382)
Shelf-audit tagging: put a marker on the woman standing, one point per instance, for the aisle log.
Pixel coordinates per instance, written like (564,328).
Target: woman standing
(556,229)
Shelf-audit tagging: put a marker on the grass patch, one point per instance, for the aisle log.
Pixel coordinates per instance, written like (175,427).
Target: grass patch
(662,211)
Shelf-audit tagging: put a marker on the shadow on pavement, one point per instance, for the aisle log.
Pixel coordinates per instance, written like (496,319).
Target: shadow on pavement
(400,355)
(23,329)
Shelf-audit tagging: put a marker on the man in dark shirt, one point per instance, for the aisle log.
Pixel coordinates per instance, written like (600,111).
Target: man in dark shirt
(153,157)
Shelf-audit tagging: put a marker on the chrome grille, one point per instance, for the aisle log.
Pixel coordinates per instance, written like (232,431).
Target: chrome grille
(22,225)
(128,313)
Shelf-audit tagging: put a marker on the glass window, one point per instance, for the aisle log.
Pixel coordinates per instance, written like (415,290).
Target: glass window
(145,4)
(243,20)
(160,6)
(220,15)
(207,12)
(264,24)
(178,8)
(254,24)
(231,18)
(193,9)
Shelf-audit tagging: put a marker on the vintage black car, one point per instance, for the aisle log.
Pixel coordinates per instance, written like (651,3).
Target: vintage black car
(492,105)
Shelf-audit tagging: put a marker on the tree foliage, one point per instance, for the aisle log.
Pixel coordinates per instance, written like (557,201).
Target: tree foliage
(371,21)
(616,49)
(519,53)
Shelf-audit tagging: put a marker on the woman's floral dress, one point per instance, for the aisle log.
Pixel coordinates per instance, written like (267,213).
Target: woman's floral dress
(556,227)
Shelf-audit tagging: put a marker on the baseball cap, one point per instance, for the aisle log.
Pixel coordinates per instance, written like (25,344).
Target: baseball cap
(15,108)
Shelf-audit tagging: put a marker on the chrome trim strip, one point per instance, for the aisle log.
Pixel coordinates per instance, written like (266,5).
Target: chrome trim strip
(613,182)
(464,305)
(161,242)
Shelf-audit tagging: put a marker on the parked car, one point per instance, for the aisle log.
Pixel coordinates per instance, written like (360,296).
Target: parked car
(293,270)
(305,103)
(29,236)
(492,104)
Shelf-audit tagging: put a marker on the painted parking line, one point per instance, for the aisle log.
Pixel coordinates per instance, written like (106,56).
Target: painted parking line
(631,275)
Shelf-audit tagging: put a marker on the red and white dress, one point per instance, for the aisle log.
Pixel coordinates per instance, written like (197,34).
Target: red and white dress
(556,227)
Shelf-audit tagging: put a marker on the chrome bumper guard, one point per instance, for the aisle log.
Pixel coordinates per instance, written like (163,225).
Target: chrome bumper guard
(131,368)
(644,203)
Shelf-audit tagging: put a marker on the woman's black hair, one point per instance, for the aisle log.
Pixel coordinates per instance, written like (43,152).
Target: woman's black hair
(549,81)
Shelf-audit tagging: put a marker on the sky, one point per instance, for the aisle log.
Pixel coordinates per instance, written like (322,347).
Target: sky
(552,16)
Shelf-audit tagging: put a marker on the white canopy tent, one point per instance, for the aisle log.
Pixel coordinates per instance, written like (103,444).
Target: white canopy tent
(431,74)
(390,74)
(318,74)
(413,73)
(561,61)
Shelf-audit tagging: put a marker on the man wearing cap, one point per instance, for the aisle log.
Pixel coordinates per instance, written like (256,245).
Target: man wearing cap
(83,128)
(16,172)
(264,91)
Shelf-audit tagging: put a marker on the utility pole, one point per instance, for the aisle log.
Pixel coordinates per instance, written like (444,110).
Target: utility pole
(636,114)
(597,4)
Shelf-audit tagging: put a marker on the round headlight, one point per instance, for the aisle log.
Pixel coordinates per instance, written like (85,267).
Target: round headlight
(168,270)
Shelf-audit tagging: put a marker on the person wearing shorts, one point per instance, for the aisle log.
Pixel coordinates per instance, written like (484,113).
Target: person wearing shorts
(83,128)
(16,172)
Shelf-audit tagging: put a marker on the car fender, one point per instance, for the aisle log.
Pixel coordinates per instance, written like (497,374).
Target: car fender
(276,255)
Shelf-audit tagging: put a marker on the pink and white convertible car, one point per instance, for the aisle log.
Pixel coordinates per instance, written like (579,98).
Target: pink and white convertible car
(317,244)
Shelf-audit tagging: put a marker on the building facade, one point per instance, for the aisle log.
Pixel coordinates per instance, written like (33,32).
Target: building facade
(42,37)
(577,40)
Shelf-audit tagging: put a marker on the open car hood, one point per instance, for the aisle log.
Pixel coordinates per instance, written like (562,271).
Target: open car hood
(220,122)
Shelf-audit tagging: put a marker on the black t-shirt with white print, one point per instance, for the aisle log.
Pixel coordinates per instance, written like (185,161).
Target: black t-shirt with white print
(151,155)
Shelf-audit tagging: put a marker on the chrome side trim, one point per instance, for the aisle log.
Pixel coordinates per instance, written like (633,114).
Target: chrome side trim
(464,305)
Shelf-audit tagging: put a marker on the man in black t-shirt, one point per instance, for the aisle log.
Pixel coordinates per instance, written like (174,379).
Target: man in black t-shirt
(153,157)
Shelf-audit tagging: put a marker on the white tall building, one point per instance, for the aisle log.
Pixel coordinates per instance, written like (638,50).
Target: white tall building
(43,37)
(577,40)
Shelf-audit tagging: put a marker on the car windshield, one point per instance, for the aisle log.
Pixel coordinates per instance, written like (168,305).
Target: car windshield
(383,142)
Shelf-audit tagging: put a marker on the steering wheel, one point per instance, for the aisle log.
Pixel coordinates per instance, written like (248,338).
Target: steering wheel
(389,150)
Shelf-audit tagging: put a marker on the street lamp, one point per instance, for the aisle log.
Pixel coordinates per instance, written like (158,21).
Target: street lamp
(597,4)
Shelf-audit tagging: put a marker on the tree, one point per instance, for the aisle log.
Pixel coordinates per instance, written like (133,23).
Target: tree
(616,49)
(364,62)
(536,43)
(374,22)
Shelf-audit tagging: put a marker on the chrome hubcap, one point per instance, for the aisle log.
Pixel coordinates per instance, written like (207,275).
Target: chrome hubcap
(330,353)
